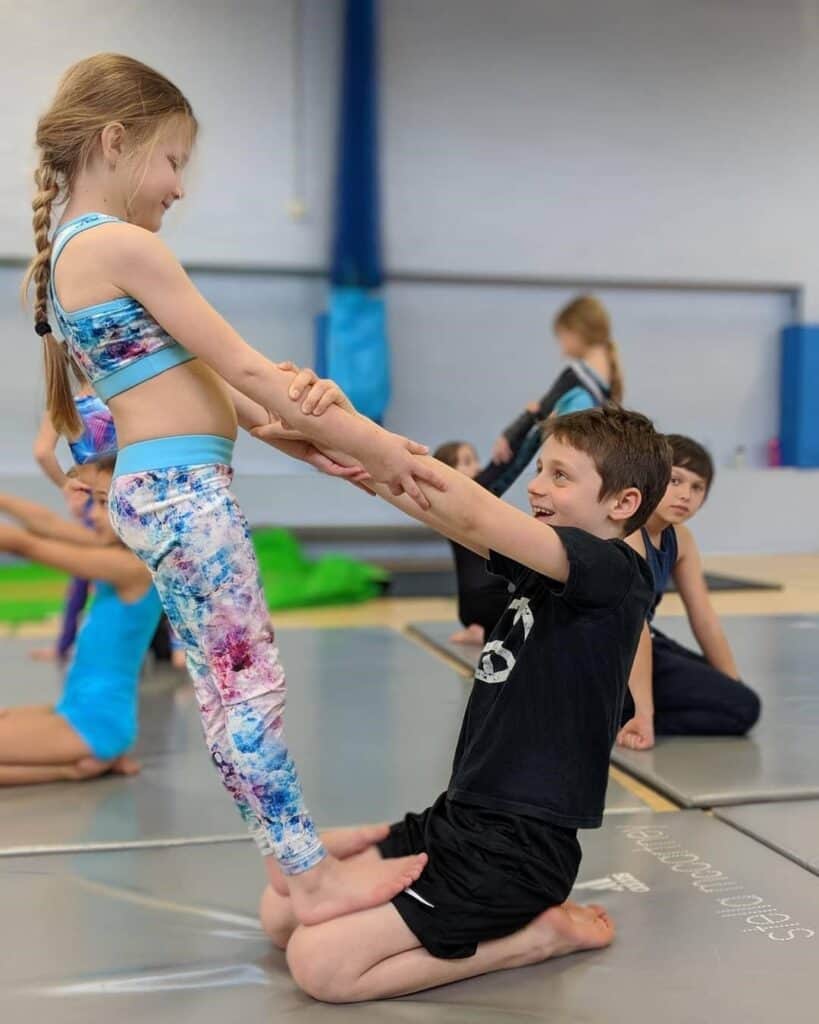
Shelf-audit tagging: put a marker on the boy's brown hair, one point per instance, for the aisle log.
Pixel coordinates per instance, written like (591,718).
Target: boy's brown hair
(689,454)
(626,450)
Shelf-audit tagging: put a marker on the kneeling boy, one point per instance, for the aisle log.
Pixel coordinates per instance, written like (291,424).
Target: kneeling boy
(531,764)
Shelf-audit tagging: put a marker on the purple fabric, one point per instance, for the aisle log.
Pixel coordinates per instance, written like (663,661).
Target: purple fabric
(75,600)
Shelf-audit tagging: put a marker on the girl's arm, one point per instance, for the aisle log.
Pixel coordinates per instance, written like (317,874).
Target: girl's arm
(705,624)
(45,444)
(142,266)
(113,564)
(42,521)
(256,421)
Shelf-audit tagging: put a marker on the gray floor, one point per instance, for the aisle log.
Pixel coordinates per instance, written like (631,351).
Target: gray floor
(357,698)
(711,926)
(779,760)
(790,828)
(438,634)
(779,657)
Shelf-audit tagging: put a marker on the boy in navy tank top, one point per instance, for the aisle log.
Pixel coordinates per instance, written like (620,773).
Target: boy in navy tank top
(531,764)
(674,691)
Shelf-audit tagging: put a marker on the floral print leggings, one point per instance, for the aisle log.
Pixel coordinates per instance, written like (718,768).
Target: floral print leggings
(186,526)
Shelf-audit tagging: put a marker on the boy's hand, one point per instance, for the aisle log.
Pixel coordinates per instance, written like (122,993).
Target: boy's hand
(394,464)
(320,392)
(637,733)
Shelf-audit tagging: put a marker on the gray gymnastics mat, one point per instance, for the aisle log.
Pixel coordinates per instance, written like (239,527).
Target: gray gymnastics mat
(443,583)
(779,760)
(372,721)
(790,828)
(359,700)
(711,926)
(438,633)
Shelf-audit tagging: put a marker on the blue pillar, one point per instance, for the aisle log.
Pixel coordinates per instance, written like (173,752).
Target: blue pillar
(799,396)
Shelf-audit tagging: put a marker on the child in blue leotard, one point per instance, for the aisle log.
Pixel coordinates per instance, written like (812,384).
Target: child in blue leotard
(179,380)
(90,729)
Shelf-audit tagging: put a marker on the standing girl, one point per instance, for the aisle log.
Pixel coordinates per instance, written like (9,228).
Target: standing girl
(592,377)
(178,379)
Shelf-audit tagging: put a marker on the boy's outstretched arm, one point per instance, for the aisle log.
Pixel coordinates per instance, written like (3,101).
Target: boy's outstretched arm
(42,521)
(705,624)
(467,513)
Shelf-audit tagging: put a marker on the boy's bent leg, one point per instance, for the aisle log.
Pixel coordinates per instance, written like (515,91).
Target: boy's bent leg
(374,955)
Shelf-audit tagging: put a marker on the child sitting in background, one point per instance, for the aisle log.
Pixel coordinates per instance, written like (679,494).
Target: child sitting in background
(675,691)
(94,723)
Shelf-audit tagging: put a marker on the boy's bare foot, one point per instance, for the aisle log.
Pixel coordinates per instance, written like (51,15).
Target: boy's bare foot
(473,635)
(569,928)
(335,887)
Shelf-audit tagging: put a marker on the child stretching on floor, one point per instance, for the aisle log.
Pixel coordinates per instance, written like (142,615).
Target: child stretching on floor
(531,764)
(94,723)
(98,438)
(678,692)
(112,151)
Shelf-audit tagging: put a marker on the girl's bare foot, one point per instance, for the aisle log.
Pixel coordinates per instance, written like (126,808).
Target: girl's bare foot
(43,654)
(178,658)
(473,635)
(91,767)
(569,928)
(337,887)
(338,842)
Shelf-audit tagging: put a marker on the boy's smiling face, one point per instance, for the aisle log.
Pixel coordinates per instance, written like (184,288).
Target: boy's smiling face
(683,498)
(566,492)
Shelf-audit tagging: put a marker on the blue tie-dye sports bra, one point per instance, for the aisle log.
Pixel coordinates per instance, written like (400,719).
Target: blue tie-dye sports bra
(117,344)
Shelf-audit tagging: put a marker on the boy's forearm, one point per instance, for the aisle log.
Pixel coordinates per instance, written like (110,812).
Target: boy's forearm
(455,528)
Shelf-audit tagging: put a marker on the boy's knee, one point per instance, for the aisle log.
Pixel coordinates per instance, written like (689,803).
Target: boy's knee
(314,968)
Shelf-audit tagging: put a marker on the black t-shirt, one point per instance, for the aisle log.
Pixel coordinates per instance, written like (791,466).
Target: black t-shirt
(548,692)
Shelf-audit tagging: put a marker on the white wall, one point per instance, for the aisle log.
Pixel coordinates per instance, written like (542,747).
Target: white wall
(643,138)
(634,141)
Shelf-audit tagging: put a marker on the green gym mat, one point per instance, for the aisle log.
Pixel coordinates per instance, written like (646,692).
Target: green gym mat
(32,593)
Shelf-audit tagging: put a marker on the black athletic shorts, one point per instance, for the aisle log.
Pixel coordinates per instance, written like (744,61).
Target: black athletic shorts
(489,873)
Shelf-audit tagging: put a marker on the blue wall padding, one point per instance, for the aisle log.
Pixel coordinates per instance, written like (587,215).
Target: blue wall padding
(357,355)
(799,396)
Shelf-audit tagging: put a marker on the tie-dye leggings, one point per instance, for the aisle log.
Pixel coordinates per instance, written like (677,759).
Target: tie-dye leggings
(185,524)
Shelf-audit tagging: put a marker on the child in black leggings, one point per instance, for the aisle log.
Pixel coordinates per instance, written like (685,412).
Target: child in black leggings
(674,691)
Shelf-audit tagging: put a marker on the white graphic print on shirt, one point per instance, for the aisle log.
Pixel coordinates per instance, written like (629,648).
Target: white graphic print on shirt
(489,670)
